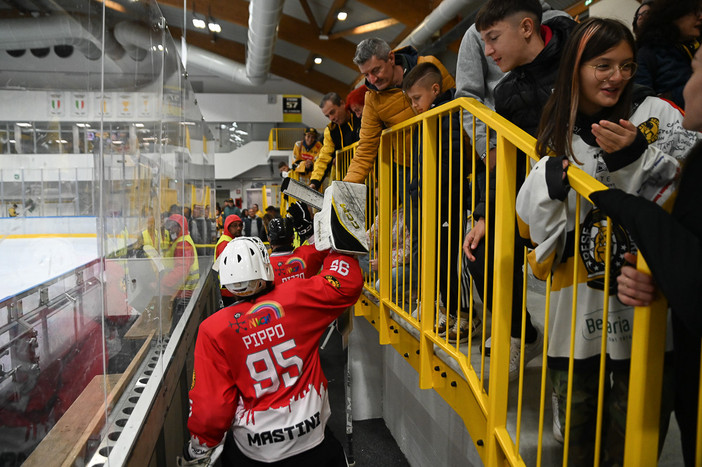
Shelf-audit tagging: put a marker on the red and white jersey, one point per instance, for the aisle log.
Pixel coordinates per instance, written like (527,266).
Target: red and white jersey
(257,367)
(304,261)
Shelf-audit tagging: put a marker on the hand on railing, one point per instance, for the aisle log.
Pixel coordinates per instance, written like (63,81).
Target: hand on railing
(473,239)
(635,288)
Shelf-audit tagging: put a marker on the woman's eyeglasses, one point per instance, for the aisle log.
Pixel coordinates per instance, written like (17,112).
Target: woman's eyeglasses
(604,71)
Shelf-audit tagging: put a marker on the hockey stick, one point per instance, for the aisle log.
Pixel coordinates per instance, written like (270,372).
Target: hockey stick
(302,192)
(349,414)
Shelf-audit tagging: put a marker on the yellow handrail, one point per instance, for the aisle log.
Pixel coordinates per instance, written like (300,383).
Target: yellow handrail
(482,403)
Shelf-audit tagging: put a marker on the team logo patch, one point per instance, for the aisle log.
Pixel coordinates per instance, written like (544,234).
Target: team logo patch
(333,280)
(264,313)
(649,128)
(593,249)
(239,324)
(293,265)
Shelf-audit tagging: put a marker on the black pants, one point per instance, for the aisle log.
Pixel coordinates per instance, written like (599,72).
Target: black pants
(329,453)
(477,271)
(687,380)
(449,255)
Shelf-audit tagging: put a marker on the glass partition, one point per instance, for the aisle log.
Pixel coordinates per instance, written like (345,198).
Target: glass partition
(106,222)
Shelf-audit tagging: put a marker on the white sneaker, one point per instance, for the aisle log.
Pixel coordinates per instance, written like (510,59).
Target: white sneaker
(557,430)
(531,351)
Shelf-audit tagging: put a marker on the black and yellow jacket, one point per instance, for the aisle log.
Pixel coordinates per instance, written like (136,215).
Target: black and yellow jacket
(335,137)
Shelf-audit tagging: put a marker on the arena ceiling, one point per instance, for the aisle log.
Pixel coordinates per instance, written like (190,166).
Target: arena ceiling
(313,50)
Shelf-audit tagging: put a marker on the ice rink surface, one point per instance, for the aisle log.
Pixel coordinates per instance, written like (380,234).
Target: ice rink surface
(35,250)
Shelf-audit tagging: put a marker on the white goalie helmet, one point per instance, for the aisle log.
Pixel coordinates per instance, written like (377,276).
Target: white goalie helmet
(244,267)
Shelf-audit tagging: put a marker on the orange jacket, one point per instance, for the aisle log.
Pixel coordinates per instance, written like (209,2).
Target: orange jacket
(384,109)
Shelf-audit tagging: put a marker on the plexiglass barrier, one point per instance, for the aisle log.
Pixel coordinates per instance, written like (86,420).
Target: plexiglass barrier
(106,210)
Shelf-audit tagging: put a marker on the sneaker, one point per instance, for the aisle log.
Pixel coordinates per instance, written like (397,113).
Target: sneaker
(442,323)
(460,330)
(557,430)
(531,351)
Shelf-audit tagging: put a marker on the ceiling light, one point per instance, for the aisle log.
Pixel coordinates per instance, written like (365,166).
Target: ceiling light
(199,23)
(139,125)
(342,15)
(83,125)
(318,60)
(213,26)
(24,125)
(61,141)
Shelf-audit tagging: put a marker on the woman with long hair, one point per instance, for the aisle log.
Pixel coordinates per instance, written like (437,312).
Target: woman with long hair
(598,120)
(667,41)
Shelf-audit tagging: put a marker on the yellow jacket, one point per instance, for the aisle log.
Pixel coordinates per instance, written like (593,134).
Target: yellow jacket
(384,109)
(302,154)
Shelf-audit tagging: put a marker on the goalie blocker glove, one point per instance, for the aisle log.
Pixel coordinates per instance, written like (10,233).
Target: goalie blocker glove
(302,221)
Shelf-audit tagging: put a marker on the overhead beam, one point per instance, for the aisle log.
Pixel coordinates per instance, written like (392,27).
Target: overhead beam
(365,28)
(409,12)
(290,29)
(309,14)
(280,66)
(309,63)
(330,20)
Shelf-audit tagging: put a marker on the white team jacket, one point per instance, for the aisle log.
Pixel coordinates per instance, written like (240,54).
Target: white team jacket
(550,223)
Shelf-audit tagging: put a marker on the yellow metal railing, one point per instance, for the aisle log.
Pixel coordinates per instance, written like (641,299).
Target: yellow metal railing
(476,386)
(284,139)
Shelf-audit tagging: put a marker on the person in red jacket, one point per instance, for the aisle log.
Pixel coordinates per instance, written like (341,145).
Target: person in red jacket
(257,379)
(289,262)
(232,229)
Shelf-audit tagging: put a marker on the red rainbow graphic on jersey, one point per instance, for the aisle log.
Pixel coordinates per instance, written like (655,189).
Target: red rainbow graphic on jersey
(294,265)
(264,313)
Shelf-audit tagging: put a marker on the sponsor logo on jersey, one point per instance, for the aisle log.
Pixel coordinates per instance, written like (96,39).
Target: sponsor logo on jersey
(618,326)
(294,265)
(593,249)
(264,313)
(239,324)
(333,280)
(282,434)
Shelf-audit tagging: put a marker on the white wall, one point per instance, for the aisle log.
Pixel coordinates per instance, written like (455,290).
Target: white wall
(618,9)
(384,385)
(254,108)
(30,106)
(142,106)
(232,164)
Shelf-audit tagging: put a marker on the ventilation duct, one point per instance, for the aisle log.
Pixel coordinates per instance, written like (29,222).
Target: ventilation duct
(264,17)
(445,12)
(47,31)
(216,64)
(135,38)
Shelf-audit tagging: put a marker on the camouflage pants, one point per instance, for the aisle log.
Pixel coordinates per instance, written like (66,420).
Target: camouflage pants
(584,413)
